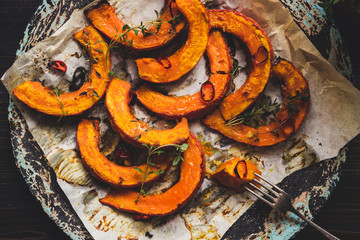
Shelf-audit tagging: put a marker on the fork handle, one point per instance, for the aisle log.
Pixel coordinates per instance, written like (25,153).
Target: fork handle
(317,227)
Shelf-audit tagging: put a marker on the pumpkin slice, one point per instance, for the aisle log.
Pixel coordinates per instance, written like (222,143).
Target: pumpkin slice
(54,102)
(191,177)
(163,70)
(133,130)
(107,171)
(260,54)
(235,173)
(103,18)
(193,106)
(287,121)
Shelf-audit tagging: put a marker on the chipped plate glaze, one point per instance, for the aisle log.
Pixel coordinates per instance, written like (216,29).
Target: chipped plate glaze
(258,222)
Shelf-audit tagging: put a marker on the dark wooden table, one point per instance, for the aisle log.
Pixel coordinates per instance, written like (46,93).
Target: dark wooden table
(21,216)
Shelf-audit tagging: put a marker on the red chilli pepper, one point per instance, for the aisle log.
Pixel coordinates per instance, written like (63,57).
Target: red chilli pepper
(121,155)
(207,91)
(171,2)
(58,65)
(261,55)
(141,217)
(165,62)
(246,169)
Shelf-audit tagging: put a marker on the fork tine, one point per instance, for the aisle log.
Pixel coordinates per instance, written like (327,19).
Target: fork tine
(266,187)
(263,192)
(260,197)
(273,185)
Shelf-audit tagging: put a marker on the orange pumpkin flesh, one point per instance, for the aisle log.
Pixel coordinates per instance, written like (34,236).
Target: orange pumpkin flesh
(133,130)
(259,65)
(103,18)
(191,177)
(235,173)
(286,123)
(44,99)
(172,68)
(107,171)
(193,106)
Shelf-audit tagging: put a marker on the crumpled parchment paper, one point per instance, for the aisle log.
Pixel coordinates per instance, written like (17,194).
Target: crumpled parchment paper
(332,121)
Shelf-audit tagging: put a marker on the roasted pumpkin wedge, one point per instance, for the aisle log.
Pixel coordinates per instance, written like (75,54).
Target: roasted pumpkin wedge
(100,167)
(260,54)
(133,130)
(191,177)
(194,106)
(55,102)
(103,18)
(235,173)
(287,121)
(169,69)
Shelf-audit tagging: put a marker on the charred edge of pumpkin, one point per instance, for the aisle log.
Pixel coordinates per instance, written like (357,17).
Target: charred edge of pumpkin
(109,199)
(240,100)
(109,19)
(122,176)
(276,131)
(141,133)
(72,103)
(186,57)
(176,107)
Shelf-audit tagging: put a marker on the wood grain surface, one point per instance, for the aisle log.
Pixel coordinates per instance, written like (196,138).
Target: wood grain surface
(21,216)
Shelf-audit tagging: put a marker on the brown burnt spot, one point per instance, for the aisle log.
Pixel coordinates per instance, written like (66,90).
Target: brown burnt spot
(298,155)
(93,214)
(121,180)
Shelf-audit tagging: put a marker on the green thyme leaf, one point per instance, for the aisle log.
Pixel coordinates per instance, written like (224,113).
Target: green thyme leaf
(98,50)
(125,27)
(138,169)
(95,94)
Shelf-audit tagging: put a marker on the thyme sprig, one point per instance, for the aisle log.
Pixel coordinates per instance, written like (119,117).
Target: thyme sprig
(258,114)
(144,28)
(56,93)
(264,108)
(236,69)
(153,150)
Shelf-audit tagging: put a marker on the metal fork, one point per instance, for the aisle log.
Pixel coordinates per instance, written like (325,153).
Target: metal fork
(279,200)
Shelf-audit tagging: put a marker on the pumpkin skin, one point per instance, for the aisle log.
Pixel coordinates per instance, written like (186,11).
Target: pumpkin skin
(235,173)
(172,107)
(131,129)
(254,38)
(100,167)
(286,124)
(43,99)
(191,177)
(172,68)
(104,19)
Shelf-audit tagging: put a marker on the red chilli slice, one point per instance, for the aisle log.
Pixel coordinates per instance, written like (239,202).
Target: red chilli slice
(170,7)
(207,91)
(165,62)
(121,155)
(142,217)
(237,171)
(58,65)
(260,56)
